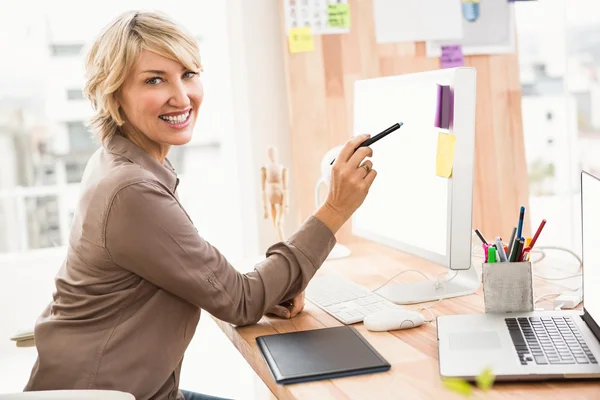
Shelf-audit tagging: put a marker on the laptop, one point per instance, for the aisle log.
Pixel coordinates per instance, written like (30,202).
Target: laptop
(536,345)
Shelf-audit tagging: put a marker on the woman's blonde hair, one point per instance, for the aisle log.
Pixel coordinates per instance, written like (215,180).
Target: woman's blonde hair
(114,53)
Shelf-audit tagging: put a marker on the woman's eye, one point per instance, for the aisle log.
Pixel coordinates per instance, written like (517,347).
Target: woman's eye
(153,81)
(190,74)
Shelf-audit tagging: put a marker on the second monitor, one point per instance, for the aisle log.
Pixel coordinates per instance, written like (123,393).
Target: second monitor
(409,207)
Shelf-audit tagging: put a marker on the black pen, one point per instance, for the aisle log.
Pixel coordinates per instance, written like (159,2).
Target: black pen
(377,137)
(481,237)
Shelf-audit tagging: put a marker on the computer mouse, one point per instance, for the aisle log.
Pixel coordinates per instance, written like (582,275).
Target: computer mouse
(393,319)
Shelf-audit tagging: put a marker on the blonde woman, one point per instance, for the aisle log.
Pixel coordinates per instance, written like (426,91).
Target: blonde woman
(137,274)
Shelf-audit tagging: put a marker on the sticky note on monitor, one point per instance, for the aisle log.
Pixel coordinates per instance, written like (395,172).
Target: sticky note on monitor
(338,15)
(445,155)
(301,40)
(452,56)
(445,107)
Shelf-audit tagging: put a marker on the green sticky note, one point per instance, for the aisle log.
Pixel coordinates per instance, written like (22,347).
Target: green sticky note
(485,380)
(338,16)
(458,386)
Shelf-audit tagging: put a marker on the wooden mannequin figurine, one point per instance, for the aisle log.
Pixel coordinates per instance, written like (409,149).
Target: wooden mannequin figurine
(274,191)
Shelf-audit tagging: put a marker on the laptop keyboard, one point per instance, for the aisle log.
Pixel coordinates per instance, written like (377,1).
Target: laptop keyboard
(548,340)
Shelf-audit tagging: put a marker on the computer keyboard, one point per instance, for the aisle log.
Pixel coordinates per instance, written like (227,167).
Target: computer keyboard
(345,300)
(548,340)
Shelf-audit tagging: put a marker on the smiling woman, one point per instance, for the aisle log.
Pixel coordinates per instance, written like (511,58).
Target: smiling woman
(137,273)
(155,88)
(160,99)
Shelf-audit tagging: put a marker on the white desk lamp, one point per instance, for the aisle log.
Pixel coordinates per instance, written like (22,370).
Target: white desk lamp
(338,251)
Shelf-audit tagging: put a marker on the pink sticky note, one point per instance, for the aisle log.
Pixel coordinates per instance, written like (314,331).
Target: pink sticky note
(452,56)
(445,107)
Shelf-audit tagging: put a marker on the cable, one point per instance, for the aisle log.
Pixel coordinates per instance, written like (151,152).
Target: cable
(400,273)
(562,278)
(438,283)
(579,268)
(565,250)
(427,308)
(431,313)
(544,296)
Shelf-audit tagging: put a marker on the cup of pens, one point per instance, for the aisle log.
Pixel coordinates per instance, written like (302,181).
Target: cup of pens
(507,273)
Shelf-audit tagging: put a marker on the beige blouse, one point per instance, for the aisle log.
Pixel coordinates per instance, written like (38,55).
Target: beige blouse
(136,275)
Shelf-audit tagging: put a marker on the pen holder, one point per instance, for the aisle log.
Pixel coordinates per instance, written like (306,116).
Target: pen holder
(507,287)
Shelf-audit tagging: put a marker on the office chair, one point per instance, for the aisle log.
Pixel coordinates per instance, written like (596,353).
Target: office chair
(26,339)
(68,395)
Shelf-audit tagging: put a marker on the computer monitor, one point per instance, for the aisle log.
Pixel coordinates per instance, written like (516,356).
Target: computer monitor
(409,207)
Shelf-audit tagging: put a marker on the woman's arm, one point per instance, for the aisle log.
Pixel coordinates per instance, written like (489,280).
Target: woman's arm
(148,233)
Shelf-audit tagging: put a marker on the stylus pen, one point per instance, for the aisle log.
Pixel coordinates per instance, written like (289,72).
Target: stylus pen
(520,226)
(510,242)
(481,237)
(377,137)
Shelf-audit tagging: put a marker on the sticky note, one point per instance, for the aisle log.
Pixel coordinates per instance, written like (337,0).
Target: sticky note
(444,158)
(444,112)
(301,40)
(485,380)
(458,385)
(338,16)
(452,56)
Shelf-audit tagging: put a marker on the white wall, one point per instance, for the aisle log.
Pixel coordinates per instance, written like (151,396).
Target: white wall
(9,240)
(260,109)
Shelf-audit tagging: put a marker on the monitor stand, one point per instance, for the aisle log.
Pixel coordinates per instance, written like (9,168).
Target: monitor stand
(464,283)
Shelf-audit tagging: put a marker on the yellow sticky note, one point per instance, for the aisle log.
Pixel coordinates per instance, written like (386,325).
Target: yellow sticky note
(338,16)
(485,380)
(301,40)
(458,386)
(445,155)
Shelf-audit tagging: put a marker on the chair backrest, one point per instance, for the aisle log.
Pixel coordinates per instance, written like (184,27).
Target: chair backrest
(69,395)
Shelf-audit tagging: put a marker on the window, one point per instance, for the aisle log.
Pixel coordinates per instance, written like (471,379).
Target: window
(43,222)
(50,160)
(79,137)
(66,50)
(74,171)
(75,94)
(561,103)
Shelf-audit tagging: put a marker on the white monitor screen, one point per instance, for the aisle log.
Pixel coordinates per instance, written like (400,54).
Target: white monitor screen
(590,219)
(408,203)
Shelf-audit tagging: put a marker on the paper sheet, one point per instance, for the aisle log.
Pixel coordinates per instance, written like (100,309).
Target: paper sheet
(317,15)
(301,40)
(445,155)
(491,32)
(417,20)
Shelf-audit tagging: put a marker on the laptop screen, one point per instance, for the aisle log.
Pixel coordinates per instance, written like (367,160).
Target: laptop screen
(590,221)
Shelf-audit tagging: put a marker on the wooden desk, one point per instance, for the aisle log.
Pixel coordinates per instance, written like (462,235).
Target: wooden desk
(413,353)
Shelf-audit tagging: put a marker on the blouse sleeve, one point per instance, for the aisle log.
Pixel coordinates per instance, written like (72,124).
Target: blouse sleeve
(148,233)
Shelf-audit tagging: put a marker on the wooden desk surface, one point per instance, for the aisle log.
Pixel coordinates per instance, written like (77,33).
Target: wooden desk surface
(413,353)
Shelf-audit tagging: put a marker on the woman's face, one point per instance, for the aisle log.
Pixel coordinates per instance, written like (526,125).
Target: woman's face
(160,98)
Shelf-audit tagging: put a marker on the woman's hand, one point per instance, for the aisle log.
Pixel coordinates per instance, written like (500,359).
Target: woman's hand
(351,179)
(289,309)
